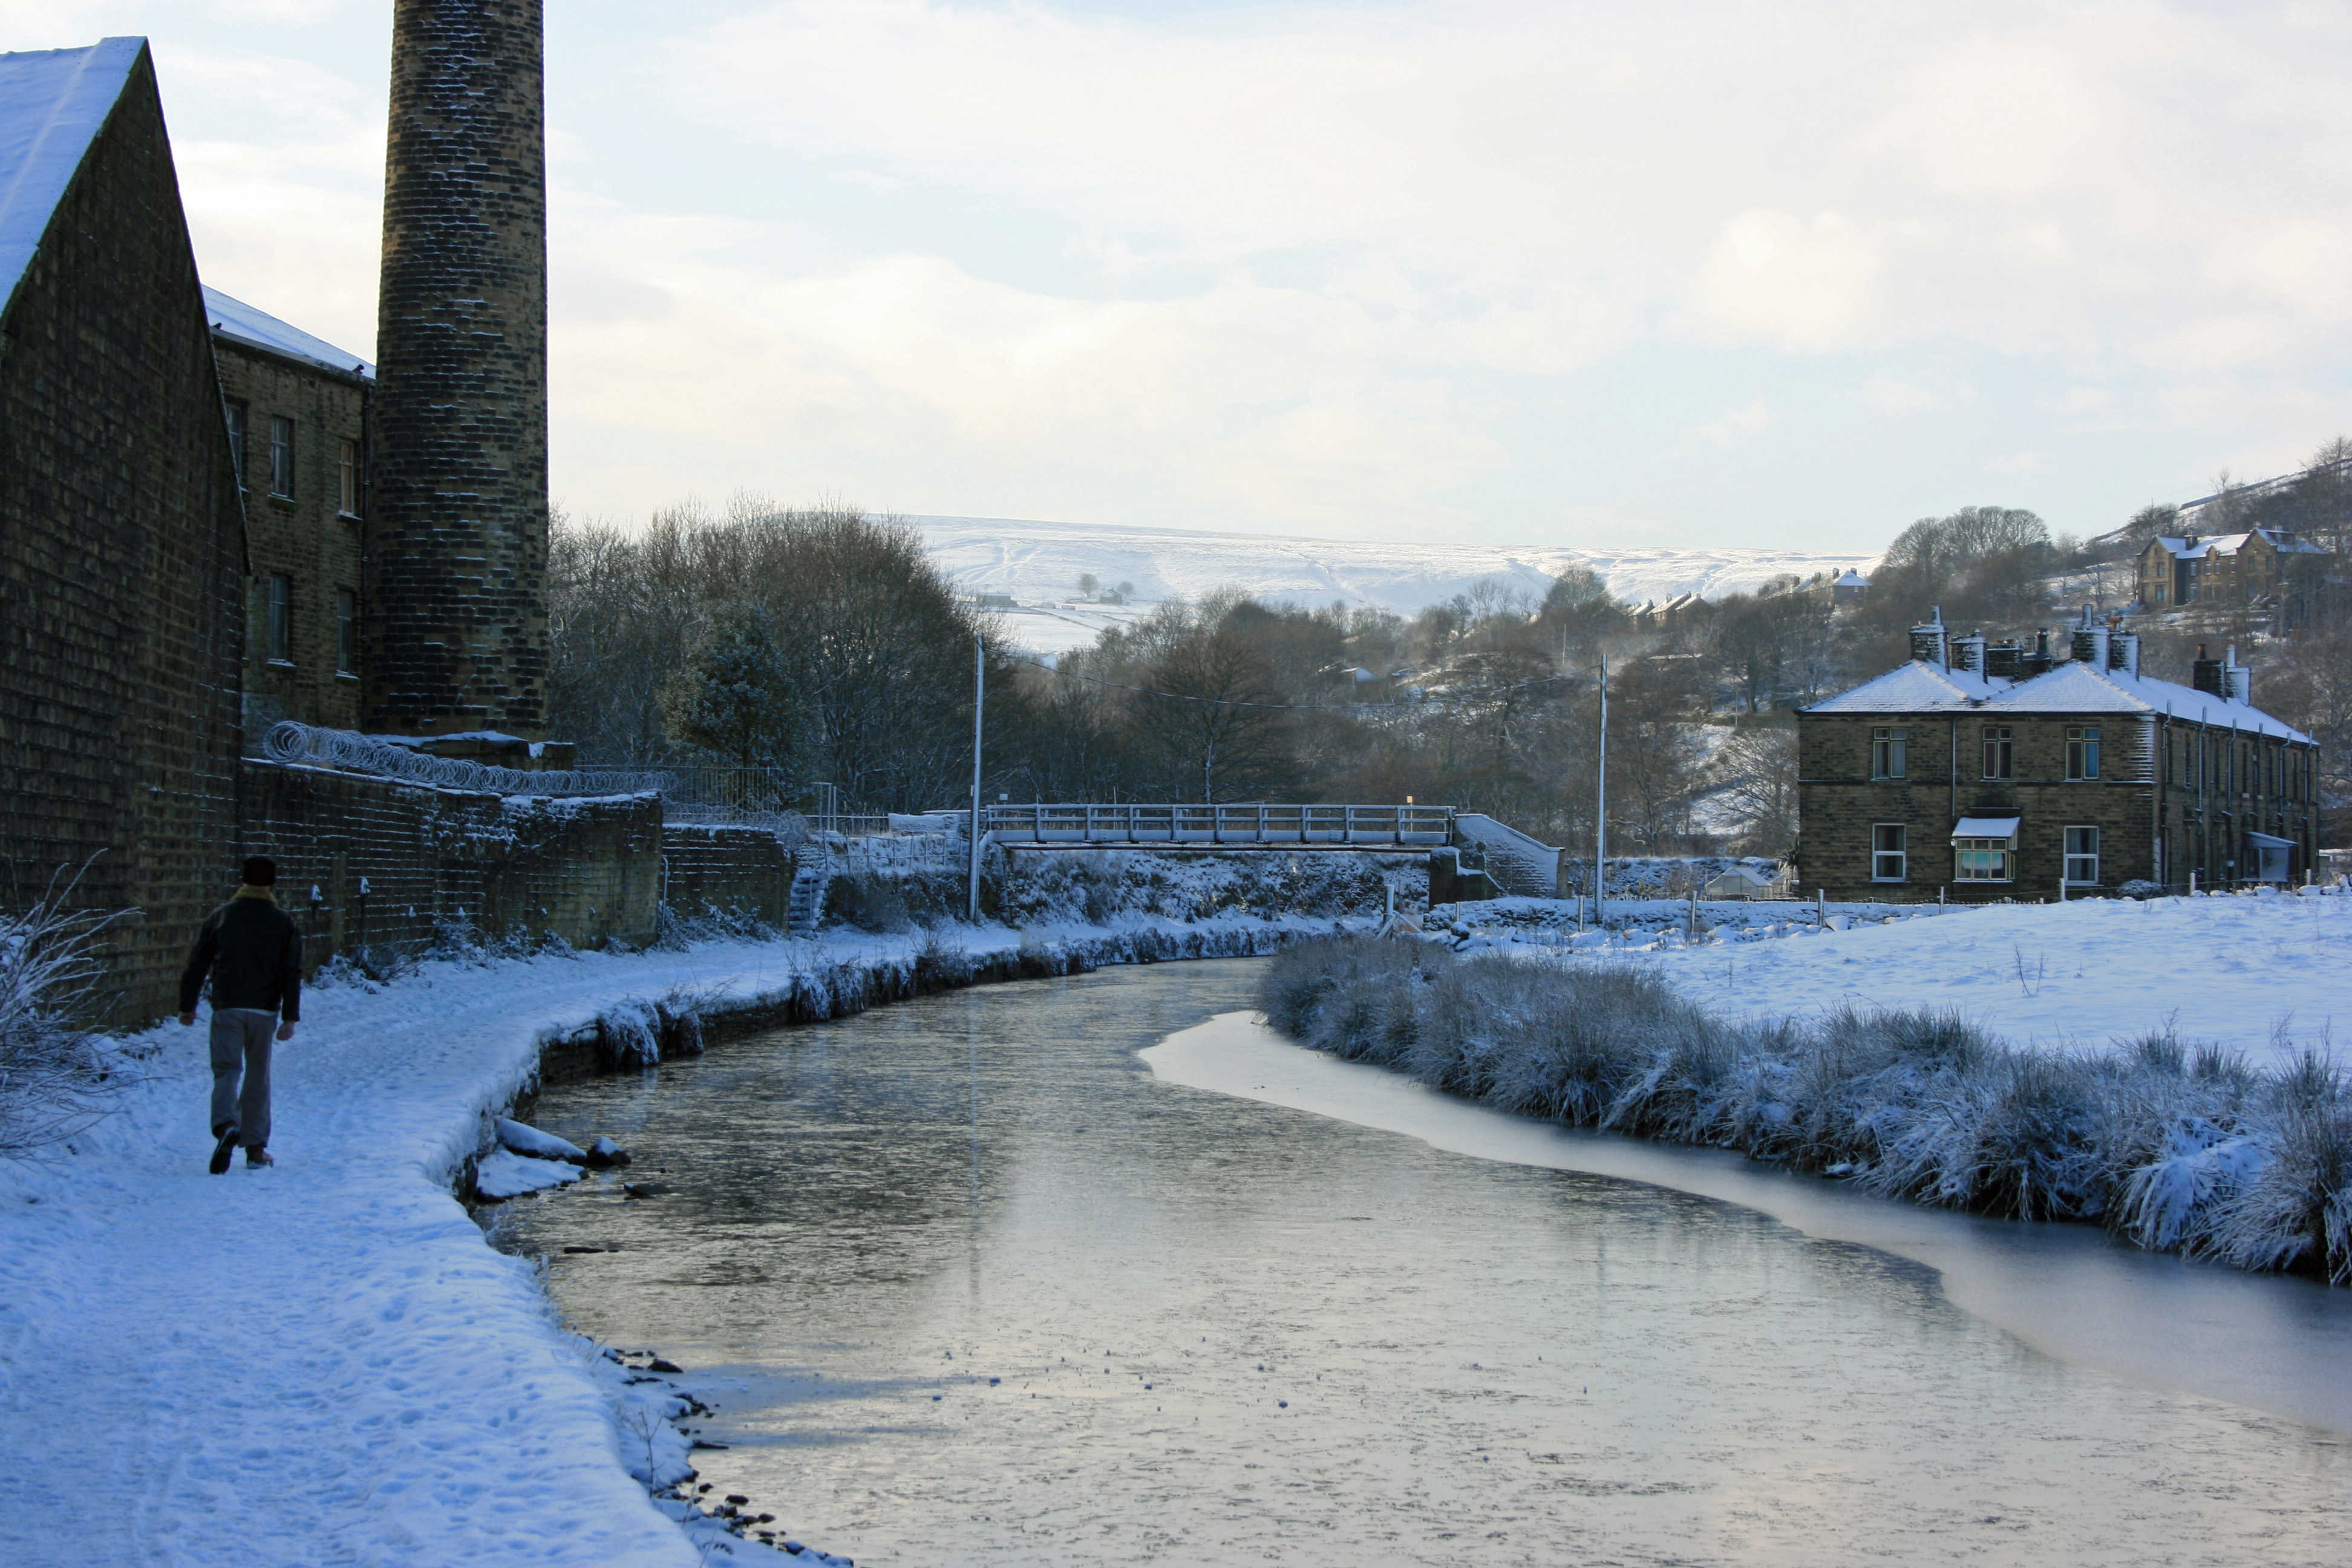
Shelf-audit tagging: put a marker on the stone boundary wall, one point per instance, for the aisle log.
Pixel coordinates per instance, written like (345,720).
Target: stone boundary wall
(377,871)
(710,869)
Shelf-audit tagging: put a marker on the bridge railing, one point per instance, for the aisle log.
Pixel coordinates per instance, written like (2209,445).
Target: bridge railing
(1252,823)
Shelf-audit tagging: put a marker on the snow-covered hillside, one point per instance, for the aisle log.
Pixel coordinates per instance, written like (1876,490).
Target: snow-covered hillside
(1038,564)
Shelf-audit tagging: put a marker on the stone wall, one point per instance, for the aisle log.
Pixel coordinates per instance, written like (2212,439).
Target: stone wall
(305,536)
(379,871)
(708,870)
(122,564)
(457,595)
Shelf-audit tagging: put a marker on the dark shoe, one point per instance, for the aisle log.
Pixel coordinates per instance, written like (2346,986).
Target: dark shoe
(223,1149)
(258,1159)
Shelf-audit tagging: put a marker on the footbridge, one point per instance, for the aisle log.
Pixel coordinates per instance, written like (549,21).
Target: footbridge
(1513,861)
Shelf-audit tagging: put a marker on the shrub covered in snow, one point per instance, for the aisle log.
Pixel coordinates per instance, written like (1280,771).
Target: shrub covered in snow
(57,1075)
(2174,1147)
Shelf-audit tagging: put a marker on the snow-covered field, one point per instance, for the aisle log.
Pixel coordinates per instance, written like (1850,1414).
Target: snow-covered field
(325,1363)
(2265,973)
(1039,565)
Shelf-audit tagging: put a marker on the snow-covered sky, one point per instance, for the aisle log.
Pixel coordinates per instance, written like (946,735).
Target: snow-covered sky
(1551,275)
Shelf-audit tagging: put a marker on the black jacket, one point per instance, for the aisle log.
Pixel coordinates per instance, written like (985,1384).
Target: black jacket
(255,953)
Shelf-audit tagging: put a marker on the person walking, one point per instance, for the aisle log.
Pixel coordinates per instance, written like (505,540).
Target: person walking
(253,951)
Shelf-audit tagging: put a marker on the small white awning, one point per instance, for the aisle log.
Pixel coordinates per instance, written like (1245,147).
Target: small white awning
(1987,826)
(2264,841)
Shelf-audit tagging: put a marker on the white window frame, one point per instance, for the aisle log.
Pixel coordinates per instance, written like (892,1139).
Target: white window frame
(2004,736)
(1899,856)
(2082,856)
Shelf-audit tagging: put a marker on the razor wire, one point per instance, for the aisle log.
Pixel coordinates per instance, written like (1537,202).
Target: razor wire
(298,744)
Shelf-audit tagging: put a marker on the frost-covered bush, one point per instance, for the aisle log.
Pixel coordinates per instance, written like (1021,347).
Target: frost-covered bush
(56,1076)
(2175,1146)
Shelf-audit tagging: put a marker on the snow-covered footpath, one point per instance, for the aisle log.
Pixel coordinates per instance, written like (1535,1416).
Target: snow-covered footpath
(325,1363)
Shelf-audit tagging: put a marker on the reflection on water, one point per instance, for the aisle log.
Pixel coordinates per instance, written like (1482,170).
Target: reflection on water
(970,1285)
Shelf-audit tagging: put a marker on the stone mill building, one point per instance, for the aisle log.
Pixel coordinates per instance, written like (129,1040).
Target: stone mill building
(212,520)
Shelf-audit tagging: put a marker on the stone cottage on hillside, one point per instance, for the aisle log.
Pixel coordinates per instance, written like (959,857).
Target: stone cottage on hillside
(1983,771)
(2262,568)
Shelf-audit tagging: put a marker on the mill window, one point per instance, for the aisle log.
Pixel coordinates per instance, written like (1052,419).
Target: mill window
(2082,752)
(236,412)
(347,632)
(281,457)
(2000,753)
(1888,749)
(281,620)
(347,478)
(1888,860)
(2082,858)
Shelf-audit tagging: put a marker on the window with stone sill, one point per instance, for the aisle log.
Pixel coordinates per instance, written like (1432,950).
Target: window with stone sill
(1889,862)
(281,457)
(2000,753)
(347,478)
(2082,752)
(1889,752)
(281,620)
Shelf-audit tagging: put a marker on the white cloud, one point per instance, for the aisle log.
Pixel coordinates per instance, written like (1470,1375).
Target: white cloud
(1735,426)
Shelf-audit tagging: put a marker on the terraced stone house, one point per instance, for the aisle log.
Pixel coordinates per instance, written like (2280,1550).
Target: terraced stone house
(1983,771)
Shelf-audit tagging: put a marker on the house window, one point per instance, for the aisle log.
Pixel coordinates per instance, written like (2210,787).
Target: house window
(2082,857)
(1982,861)
(347,632)
(2082,751)
(281,620)
(347,478)
(2000,753)
(281,457)
(1887,751)
(236,412)
(1888,863)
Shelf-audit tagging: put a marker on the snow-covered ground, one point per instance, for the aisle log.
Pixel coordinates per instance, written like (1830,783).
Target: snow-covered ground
(1039,565)
(325,1363)
(2265,973)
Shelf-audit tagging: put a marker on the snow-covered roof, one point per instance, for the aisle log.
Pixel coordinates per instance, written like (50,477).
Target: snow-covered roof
(1914,688)
(53,103)
(1989,824)
(240,322)
(1852,579)
(2077,687)
(2283,541)
(2073,687)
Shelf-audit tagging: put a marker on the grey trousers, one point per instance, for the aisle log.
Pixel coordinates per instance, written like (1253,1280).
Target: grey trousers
(241,1039)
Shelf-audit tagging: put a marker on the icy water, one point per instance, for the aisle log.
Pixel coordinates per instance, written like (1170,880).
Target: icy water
(969,1284)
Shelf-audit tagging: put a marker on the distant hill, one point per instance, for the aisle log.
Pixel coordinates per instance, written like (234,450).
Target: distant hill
(1038,564)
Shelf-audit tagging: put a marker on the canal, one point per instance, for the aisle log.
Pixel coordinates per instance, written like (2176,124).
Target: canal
(967,1281)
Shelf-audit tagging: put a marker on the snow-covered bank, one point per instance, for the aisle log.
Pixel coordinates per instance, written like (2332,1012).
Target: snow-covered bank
(2260,973)
(325,1361)
(2175,1142)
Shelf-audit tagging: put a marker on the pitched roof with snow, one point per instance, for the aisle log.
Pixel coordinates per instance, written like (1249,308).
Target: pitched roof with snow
(2073,687)
(53,103)
(1914,688)
(1852,579)
(2198,549)
(242,323)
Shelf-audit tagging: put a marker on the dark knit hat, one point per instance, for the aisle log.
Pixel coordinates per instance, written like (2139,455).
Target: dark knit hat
(260,872)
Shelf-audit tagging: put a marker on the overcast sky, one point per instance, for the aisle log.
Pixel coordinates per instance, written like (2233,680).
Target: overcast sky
(1788,274)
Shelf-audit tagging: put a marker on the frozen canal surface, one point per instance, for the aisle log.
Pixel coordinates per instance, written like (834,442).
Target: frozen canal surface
(969,1284)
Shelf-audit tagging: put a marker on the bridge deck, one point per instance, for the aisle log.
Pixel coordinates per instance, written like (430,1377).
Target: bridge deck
(1370,826)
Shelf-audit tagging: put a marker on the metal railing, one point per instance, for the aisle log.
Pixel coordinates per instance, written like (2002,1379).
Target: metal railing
(1072,823)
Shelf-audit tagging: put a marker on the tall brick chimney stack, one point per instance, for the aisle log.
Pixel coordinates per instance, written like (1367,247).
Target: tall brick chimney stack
(456,553)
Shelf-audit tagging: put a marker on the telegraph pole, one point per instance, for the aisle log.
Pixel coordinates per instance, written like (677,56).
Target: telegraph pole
(979,705)
(1600,804)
